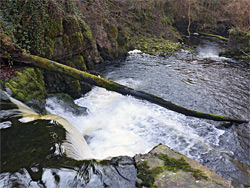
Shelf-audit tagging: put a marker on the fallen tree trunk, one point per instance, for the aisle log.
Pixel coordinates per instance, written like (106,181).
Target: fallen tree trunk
(113,86)
(213,35)
(109,85)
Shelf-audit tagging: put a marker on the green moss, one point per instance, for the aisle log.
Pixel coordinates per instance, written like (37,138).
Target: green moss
(107,84)
(20,96)
(66,43)
(88,35)
(86,30)
(77,39)
(112,32)
(147,175)
(213,35)
(74,87)
(79,63)
(47,50)
(247,185)
(233,31)
(84,25)
(53,27)
(27,85)
(173,164)
(106,21)
(156,46)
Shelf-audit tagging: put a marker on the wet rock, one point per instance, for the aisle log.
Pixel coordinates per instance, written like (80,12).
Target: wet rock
(37,106)
(67,103)
(120,173)
(162,167)
(85,88)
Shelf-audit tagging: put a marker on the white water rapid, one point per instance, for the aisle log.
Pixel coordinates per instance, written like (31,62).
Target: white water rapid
(122,125)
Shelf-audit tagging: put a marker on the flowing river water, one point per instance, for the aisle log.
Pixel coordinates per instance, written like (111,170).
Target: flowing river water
(119,125)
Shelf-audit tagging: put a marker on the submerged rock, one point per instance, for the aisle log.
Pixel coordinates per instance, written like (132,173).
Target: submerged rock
(162,167)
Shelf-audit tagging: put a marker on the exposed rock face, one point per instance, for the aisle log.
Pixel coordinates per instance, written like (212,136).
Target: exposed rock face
(119,172)
(162,167)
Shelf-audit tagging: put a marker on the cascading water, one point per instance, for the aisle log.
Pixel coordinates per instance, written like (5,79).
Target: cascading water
(34,147)
(119,125)
(75,145)
(122,125)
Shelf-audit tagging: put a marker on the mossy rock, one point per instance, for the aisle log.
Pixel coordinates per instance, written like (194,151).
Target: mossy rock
(162,167)
(70,25)
(27,85)
(48,48)
(66,43)
(54,26)
(76,39)
(85,88)
(112,32)
(73,88)
(77,62)
(123,38)
(238,45)
(87,34)
(156,46)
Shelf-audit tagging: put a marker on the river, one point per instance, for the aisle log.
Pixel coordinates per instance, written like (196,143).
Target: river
(122,125)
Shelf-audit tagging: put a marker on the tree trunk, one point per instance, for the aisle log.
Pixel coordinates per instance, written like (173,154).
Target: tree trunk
(21,56)
(213,35)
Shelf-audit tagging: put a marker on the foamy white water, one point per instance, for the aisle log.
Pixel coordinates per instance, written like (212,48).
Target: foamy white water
(122,125)
(211,52)
(135,51)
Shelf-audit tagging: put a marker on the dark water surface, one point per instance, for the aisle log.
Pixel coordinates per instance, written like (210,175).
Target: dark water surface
(205,82)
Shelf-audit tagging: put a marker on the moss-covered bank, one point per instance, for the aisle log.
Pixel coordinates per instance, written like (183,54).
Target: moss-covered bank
(50,29)
(157,46)
(80,34)
(238,46)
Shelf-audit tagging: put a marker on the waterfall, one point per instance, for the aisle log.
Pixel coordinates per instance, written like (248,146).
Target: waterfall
(75,145)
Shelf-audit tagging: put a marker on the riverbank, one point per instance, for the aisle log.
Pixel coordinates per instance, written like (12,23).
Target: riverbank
(78,34)
(82,34)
